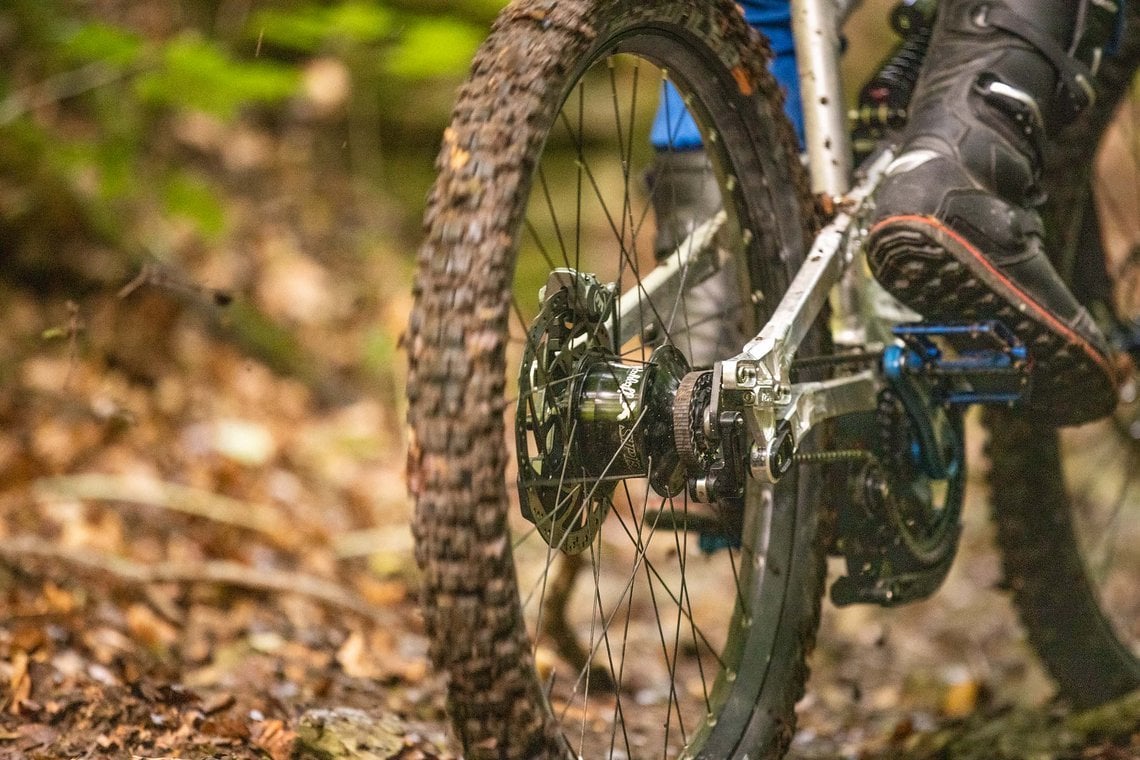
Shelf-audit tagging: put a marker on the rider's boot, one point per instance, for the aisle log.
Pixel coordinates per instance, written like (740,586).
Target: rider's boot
(685,194)
(955,235)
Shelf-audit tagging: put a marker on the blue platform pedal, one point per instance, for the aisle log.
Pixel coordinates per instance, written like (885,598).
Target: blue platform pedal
(975,363)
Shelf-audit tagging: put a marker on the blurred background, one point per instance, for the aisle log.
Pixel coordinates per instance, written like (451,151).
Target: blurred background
(208,215)
(209,211)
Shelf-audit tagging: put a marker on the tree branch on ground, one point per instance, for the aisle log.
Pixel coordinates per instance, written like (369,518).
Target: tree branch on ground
(18,550)
(1026,734)
(259,518)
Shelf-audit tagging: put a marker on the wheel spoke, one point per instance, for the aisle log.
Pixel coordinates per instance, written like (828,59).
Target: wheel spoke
(582,510)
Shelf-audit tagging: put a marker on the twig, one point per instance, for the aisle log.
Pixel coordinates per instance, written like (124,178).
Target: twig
(65,85)
(168,279)
(171,496)
(368,541)
(219,572)
(75,326)
(557,629)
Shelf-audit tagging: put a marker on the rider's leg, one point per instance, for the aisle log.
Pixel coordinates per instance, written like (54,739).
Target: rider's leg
(684,191)
(955,234)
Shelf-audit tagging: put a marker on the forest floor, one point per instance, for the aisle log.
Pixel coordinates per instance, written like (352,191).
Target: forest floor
(197,565)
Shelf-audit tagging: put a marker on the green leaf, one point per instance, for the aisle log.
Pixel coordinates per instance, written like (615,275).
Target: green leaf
(312,27)
(434,47)
(102,42)
(193,199)
(196,74)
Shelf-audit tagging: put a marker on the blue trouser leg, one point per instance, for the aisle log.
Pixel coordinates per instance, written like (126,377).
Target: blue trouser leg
(674,127)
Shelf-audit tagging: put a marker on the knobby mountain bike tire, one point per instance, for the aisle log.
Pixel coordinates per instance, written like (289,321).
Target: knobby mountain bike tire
(1066,504)
(583,614)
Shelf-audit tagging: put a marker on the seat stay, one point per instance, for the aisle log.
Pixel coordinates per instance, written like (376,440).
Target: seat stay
(695,259)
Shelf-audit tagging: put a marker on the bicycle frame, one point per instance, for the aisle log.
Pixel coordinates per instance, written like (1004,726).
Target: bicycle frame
(760,373)
(815,29)
(759,376)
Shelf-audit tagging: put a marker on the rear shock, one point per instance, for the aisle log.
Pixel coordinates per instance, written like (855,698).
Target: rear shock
(883,101)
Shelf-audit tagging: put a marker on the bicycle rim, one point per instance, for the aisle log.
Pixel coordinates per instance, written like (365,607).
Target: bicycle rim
(576,610)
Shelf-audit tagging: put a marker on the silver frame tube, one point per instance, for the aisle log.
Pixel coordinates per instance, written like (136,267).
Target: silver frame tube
(832,251)
(693,261)
(815,29)
(762,370)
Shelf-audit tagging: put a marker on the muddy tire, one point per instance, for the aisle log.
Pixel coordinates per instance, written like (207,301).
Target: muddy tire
(688,651)
(1064,502)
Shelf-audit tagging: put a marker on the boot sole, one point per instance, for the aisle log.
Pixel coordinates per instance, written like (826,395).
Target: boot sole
(939,274)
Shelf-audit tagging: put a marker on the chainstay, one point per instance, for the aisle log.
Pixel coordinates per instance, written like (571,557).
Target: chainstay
(849,359)
(838,360)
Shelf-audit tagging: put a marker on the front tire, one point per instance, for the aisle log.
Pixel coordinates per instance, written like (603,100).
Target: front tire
(686,653)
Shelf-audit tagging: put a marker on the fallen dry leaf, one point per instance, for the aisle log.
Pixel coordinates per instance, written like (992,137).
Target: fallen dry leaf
(20,681)
(275,738)
(148,628)
(961,698)
(354,657)
(58,599)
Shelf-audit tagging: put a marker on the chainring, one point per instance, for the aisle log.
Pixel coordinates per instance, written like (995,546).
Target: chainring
(923,513)
(901,535)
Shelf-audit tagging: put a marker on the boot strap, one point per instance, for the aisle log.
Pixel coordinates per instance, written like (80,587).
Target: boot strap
(1076,79)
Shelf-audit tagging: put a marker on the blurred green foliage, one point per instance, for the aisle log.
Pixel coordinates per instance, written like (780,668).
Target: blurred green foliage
(194,73)
(88,91)
(96,41)
(311,28)
(432,48)
(191,198)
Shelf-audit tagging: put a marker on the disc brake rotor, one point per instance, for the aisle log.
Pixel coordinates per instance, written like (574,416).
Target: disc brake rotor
(586,420)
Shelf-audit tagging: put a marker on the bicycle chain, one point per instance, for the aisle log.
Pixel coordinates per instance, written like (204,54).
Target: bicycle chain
(696,451)
(837,360)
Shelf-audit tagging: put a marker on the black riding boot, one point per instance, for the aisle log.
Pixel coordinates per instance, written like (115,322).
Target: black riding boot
(955,235)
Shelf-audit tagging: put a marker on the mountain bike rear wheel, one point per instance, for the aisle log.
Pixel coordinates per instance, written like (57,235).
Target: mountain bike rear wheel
(689,636)
(1067,503)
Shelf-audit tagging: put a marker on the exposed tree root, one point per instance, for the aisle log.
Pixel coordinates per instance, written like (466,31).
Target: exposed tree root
(1025,734)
